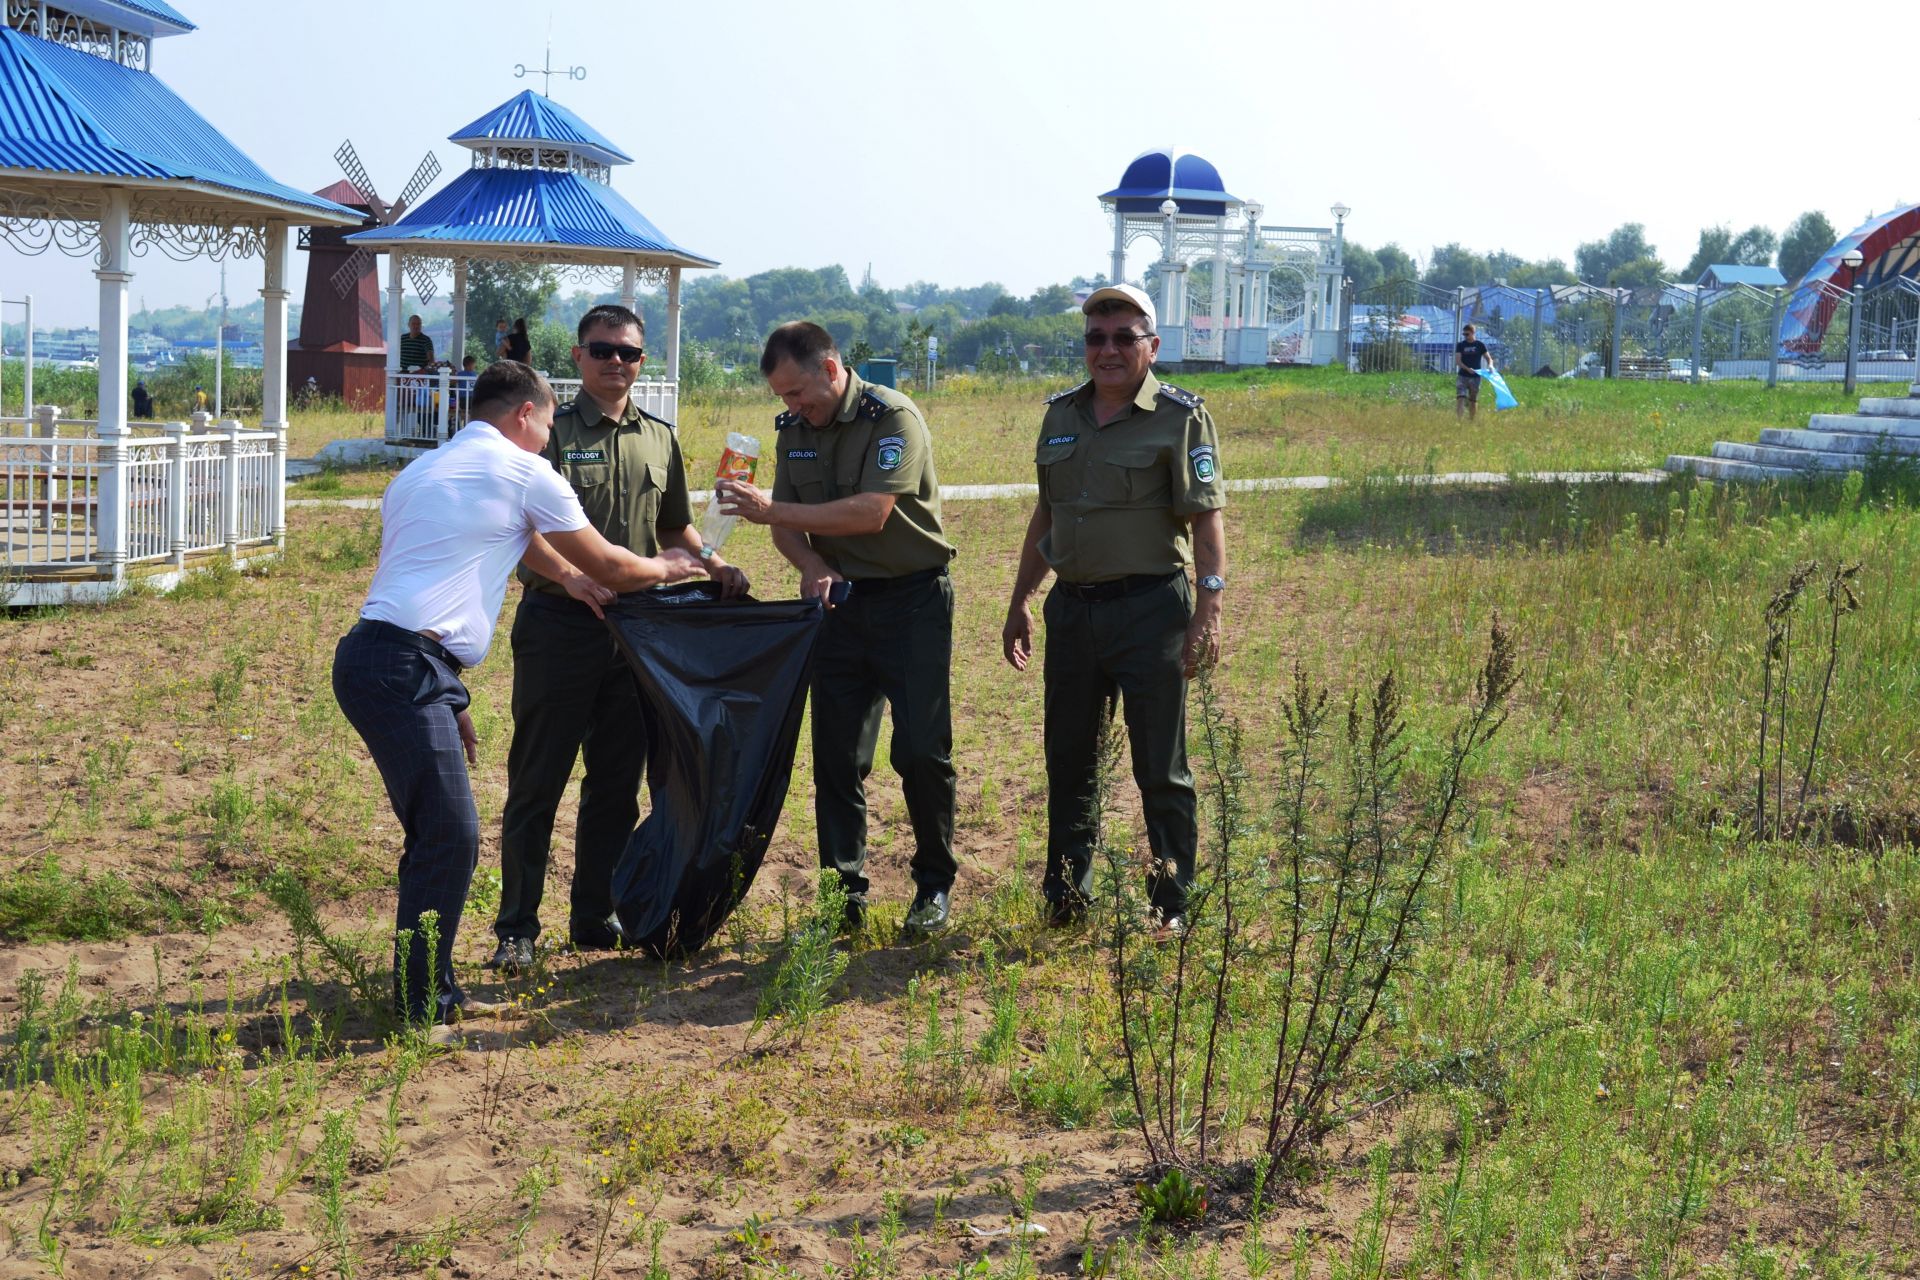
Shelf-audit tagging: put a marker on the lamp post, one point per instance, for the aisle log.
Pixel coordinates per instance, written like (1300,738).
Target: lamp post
(1853,260)
(1340,210)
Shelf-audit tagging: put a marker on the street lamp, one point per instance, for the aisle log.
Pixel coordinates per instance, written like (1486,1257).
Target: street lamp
(1340,212)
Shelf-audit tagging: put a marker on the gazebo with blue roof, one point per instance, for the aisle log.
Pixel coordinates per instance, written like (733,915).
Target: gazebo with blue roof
(538,190)
(100,158)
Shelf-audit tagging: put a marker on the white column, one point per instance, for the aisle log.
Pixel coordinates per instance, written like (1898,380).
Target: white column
(396,301)
(177,492)
(673,327)
(1119,266)
(273,370)
(1219,333)
(629,285)
(230,487)
(116,221)
(457,356)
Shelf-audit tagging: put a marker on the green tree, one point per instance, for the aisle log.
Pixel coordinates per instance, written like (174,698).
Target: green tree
(508,291)
(1396,263)
(1050,300)
(1454,266)
(1539,275)
(1362,266)
(1805,240)
(1752,248)
(1598,261)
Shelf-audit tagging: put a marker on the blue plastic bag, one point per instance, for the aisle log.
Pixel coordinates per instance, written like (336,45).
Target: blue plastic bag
(1502,398)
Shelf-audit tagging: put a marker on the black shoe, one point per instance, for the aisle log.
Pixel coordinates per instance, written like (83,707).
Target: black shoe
(1170,929)
(929,913)
(511,956)
(1064,913)
(597,935)
(853,918)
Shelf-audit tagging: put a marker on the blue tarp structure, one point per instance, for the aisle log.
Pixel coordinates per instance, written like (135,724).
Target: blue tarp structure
(1502,398)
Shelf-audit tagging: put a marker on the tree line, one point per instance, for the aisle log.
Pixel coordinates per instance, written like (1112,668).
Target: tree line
(1622,257)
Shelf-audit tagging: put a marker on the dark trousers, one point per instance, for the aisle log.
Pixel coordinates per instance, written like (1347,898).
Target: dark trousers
(1127,649)
(892,645)
(573,695)
(401,693)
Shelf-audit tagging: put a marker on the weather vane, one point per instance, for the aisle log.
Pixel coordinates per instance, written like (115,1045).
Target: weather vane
(521,70)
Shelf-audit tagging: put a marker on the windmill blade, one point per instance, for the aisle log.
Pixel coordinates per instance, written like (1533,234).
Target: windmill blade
(350,271)
(349,161)
(422,279)
(371,317)
(429,170)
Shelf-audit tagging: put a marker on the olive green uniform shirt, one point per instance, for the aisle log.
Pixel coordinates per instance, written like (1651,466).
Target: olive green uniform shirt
(628,474)
(1121,495)
(876,443)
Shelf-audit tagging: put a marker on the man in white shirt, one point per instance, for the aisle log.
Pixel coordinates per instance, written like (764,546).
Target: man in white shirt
(456,523)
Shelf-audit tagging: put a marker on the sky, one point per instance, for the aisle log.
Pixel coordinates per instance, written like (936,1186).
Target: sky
(966,142)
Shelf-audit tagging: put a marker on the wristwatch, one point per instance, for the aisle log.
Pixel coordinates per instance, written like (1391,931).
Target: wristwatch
(707,552)
(1213,582)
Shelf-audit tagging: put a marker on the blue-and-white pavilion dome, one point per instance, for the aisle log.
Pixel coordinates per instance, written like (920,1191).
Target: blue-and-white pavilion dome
(540,180)
(1167,173)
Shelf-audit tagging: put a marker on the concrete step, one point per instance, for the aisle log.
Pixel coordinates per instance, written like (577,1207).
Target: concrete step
(1726,469)
(1841,441)
(1768,455)
(1866,423)
(1889,407)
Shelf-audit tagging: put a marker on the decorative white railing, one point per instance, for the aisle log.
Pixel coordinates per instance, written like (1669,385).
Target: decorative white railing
(425,409)
(112,499)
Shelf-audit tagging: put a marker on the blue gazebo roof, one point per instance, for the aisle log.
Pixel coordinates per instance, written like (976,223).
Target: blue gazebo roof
(529,118)
(1168,174)
(156,9)
(551,198)
(545,208)
(67,114)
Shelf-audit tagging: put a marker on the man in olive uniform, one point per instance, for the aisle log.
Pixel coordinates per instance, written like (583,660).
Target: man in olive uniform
(572,692)
(1130,495)
(855,502)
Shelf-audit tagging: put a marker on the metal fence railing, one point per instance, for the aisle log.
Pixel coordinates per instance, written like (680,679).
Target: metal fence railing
(426,409)
(110,499)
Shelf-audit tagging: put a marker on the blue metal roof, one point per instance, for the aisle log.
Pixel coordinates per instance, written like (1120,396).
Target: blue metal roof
(67,112)
(545,207)
(1726,273)
(528,117)
(157,9)
(1167,174)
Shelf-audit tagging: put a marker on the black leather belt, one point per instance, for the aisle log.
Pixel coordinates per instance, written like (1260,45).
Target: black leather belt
(392,634)
(1131,585)
(872,586)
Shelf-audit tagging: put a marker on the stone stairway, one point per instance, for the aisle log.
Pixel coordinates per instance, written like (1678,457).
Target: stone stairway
(1829,442)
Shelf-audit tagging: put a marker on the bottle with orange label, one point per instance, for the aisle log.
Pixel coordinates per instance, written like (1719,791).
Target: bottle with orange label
(739,462)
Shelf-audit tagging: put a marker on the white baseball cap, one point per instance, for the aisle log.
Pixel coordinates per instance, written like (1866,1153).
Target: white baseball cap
(1122,293)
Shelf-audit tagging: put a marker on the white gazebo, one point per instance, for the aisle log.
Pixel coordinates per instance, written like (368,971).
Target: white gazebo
(99,158)
(1177,200)
(538,190)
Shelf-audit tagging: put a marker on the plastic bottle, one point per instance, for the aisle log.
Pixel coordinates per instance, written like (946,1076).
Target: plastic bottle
(739,462)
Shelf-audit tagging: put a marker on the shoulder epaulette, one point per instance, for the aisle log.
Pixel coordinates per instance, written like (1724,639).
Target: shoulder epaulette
(1062,395)
(1180,396)
(784,420)
(571,406)
(872,407)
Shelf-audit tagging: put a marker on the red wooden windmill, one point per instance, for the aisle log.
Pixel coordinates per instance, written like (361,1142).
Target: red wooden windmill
(342,345)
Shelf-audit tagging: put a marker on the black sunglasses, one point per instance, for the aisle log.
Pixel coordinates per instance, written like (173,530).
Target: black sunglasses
(608,350)
(1122,340)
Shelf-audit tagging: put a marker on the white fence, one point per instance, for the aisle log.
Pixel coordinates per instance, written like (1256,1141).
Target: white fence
(425,409)
(109,499)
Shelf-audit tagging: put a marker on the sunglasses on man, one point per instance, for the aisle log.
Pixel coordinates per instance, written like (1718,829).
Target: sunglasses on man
(1121,341)
(609,350)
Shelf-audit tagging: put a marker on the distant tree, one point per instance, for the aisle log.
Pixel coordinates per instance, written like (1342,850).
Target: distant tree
(1396,263)
(1809,236)
(1454,266)
(1640,273)
(1006,305)
(511,291)
(1050,299)
(1598,260)
(1362,265)
(1540,275)
(1751,248)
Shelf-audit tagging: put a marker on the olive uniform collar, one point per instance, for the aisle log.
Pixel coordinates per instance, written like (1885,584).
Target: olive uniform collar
(1142,399)
(588,410)
(849,400)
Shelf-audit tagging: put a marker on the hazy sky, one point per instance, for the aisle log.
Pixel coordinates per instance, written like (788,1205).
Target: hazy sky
(963,142)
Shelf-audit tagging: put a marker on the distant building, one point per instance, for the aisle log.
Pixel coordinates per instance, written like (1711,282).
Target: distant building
(1722,275)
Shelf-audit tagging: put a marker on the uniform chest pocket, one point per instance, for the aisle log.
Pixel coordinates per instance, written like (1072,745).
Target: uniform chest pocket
(1135,475)
(652,477)
(808,477)
(588,477)
(1055,460)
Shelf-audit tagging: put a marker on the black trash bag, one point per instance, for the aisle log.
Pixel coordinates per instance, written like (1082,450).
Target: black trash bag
(723,684)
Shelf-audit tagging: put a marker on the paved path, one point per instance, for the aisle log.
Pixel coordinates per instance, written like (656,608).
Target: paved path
(1269,484)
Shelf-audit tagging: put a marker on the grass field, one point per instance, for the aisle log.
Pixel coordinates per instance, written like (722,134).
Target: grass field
(1627,1035)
